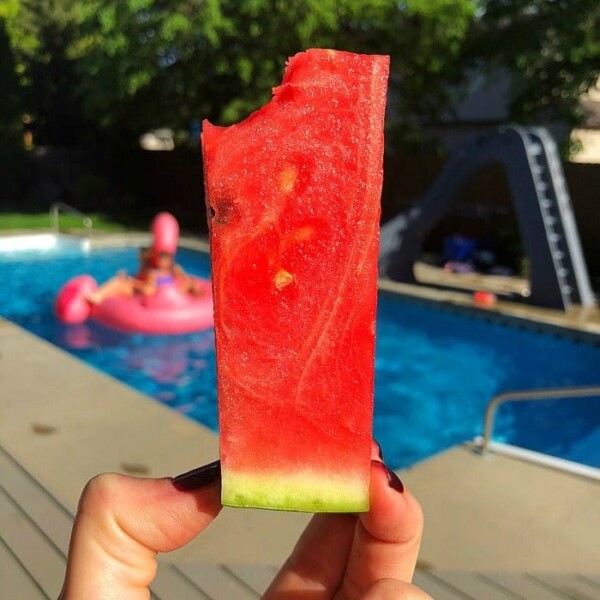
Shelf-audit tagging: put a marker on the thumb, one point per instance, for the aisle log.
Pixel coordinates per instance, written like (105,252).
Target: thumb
(123,522)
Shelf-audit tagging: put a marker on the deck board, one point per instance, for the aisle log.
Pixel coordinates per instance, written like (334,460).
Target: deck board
(169,584)
(474,586)
(36,502)
(437,588)
(257,577)
(39,557)
(523,587)
(590,580)
(570,585)
(217,583)
(15,582)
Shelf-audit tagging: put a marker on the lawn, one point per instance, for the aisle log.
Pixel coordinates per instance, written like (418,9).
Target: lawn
(12,221)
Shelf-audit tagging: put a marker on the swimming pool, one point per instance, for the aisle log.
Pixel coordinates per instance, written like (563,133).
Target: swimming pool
(436,368)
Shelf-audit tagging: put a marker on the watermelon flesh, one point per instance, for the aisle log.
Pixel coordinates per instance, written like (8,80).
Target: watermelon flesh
(293,194)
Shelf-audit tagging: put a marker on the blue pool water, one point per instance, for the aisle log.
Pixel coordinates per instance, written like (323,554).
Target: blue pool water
(435,369)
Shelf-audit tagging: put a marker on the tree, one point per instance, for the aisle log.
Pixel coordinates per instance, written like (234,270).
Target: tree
(551,46)
(10,92)
(41,32)
(11,141)
(125,66)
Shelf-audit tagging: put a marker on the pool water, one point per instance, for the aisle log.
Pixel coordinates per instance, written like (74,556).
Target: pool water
(436,369)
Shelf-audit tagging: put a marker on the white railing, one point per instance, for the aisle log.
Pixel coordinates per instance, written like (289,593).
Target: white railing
(58,207)
(485,444)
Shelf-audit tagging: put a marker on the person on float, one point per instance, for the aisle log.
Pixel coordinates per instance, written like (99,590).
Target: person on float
(123,284)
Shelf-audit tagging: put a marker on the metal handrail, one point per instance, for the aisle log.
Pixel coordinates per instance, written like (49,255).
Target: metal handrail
(524,395)
(55,209)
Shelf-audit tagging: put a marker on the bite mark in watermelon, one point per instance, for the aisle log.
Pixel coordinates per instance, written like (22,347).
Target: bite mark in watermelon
(294,197)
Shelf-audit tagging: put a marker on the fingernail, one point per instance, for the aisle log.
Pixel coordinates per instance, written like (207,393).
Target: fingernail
(379,449)
(393,479)
(198,478)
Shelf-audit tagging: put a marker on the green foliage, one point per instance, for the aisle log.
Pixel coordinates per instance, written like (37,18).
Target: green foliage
(11,145)
(146,63)
(86,69)
(551,46)
(10,93)
(19,21)
(40,32)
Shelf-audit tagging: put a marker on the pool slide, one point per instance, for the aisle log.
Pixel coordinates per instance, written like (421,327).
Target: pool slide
(558,273)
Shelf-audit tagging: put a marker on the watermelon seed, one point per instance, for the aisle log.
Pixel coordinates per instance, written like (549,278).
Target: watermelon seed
(303,233)
(287,178)
(282,279)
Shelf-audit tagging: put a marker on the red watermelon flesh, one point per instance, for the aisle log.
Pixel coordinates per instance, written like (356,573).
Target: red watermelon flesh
(294,198)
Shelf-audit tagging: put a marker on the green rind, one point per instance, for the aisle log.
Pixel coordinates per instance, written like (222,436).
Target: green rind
(300,492)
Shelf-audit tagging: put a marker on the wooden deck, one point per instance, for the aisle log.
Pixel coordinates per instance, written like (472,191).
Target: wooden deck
(34,537)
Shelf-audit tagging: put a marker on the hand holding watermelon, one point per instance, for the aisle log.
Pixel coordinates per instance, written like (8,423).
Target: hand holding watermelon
(123,522)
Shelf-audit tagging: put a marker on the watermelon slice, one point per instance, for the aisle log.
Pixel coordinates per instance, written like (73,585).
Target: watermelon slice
(294,199)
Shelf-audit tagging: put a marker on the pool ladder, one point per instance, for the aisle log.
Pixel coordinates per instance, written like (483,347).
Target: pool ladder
(485,444)
(55,210)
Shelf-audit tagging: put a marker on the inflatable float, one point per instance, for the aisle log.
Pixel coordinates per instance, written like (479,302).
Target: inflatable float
(169,310)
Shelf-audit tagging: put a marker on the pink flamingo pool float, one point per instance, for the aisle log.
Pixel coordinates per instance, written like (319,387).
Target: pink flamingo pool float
(170,310)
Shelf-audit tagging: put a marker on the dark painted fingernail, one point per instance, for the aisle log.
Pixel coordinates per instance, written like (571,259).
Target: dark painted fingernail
(378,449)
(198,478)
(393,479)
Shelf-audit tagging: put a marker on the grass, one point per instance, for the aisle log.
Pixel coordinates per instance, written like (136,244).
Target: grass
(36,221)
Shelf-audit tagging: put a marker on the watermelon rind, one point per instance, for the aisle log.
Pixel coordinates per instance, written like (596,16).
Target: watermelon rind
(301,491)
